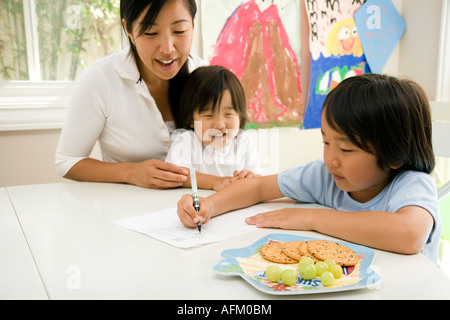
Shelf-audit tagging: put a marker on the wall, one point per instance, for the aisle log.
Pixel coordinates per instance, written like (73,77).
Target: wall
(419,46)
(27,157)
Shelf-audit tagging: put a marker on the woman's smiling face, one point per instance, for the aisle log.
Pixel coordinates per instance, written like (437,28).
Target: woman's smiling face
(165,46)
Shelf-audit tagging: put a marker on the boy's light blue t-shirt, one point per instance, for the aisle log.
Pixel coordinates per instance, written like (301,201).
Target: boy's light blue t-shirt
(312,183)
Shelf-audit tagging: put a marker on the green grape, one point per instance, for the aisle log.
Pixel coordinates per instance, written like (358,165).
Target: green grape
(330,262)
(321,267)
(336,270)
(273,273)
(327,278)
(289,277)
(307,271)
(305,260)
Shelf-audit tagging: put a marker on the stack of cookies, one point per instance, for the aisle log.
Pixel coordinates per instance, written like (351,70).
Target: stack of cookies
(319,250)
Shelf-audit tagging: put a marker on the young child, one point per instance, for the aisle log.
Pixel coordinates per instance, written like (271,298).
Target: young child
(374,175)
(211,139)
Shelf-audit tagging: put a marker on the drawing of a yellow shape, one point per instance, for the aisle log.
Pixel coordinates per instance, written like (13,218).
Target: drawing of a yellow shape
(343,39)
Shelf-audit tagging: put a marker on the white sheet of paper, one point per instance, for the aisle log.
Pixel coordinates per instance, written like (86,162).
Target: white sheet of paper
(166,226)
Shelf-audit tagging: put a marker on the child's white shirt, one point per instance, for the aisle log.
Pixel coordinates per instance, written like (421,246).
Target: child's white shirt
(187,150)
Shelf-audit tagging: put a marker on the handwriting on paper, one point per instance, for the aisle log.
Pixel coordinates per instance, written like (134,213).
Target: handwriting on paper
(165,226)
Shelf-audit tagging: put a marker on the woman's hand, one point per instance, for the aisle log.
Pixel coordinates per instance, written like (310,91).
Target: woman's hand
(187,213)
(158,174)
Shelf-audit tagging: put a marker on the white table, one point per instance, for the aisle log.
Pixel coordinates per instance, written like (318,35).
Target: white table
(81,254)
(19,276)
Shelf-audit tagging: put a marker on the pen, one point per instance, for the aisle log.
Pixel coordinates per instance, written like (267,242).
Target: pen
(195,196)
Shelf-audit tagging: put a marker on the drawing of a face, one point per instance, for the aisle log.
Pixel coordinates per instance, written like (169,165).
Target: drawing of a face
(344,40)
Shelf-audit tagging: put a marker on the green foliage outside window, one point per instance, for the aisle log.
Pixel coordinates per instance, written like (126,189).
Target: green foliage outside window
(13,54)
(71,35)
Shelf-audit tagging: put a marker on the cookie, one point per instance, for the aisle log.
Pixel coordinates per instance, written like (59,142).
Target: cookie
(291,249)
(273,251)
(303,248)
(342,255)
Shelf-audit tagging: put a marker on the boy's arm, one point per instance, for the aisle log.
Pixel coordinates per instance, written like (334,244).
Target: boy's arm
(405,231)
(212,182)
(207,181)
(239,194)
(244,193)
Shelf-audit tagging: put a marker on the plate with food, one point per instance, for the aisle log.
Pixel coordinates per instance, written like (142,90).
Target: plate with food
(285,264)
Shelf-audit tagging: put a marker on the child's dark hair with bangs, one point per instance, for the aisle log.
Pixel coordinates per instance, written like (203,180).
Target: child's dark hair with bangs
(385,116)
(204,90)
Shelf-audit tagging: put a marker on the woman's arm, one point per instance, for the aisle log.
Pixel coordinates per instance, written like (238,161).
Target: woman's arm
(148,174)
(405,231)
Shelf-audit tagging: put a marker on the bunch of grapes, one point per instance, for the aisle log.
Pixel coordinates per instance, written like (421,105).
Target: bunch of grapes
(326,270)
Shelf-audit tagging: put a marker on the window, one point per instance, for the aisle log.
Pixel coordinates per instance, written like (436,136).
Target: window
(443,72)
(44,46)
(57,39)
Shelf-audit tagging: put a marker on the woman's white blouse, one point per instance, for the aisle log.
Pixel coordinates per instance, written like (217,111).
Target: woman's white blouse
(111,105)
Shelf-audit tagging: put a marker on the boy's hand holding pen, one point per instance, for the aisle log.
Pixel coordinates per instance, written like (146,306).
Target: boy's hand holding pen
(188,207)
(195,197)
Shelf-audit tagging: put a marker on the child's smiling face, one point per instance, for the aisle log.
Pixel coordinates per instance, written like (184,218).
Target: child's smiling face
(353,169)
(219,127)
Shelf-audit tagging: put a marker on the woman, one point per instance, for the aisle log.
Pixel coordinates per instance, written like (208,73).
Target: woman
(128,101)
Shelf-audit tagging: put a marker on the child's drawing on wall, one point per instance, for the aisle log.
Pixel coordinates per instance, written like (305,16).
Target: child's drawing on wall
(336,51)
(343,39)
(262,50)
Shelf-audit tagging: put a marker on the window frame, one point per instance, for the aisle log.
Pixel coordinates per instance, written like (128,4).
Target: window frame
(31,105)
(35,104)
(443,69)
(31,37)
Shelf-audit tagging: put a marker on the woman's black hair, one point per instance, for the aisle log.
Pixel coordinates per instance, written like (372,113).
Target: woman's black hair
(204,90)
(385,116)
(130,10)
